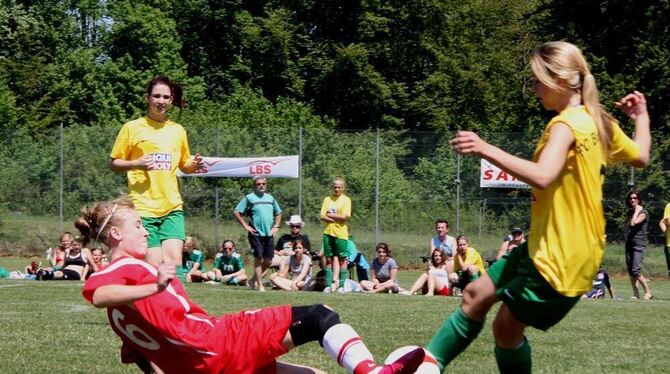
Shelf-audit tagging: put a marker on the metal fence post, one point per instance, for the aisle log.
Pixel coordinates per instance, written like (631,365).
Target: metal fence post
(377,174)
(216,196)
(62,185)
(458,193)
(300,172)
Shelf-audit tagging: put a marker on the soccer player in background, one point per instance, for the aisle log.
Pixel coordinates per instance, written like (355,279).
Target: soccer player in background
(542,279)
(149,150)
(164,331)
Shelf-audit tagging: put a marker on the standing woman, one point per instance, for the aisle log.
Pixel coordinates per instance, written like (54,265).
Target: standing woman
(543,278)
(636,243)
(149,150)
(335,213)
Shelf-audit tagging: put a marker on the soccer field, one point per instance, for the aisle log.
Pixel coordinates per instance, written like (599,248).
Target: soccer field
(47,326)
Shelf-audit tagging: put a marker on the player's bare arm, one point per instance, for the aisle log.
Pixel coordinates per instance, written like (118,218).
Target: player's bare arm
(538,174)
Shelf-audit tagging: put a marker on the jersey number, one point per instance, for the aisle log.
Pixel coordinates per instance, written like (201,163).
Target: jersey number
(134,333)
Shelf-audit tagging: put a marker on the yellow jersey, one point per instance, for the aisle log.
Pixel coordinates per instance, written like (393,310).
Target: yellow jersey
(155,193)
(472,257)
(666,214)
(340,205)
(567,234)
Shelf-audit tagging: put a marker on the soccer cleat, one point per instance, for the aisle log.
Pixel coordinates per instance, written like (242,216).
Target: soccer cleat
(406,364)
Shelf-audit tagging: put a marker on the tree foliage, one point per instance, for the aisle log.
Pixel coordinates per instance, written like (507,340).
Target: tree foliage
(258,70)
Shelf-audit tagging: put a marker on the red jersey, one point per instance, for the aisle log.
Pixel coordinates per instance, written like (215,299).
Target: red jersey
(171,331)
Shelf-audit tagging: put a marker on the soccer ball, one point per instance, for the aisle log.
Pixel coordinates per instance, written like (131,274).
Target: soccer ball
(429,365)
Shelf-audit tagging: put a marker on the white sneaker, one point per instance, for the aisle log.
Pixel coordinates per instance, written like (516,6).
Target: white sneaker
(406,293)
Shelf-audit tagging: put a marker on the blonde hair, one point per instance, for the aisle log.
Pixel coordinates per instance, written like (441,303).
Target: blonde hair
(98,219)
(561,60)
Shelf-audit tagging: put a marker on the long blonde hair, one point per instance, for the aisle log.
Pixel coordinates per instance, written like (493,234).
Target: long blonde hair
(561,60)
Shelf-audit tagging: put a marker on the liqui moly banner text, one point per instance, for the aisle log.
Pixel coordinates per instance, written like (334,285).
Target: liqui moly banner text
(492,177)
(273,167)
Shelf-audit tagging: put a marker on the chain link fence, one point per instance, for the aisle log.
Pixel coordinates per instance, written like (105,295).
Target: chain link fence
(400,182)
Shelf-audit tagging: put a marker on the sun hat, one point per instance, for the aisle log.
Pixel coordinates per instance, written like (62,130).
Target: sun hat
(295,220)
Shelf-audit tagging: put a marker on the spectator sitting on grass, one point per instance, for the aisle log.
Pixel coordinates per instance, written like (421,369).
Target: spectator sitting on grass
(99,261)
(600,283)
(384,272)
(284,246)
(436,277)
(228,266)
(57,256)
(511,241)
(468,265)
(317,283)
(75,265)
(193,261)
(357,260)
(298,267)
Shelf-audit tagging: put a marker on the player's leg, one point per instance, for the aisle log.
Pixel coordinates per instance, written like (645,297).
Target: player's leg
(418,284)
(172,233)
(513,353)
(286,368)
(463,326)
(280,281)
(342,253)
(341,342)
(257,250)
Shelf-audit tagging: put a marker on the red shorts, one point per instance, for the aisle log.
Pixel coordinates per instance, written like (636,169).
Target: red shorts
(252,339)
(445,291)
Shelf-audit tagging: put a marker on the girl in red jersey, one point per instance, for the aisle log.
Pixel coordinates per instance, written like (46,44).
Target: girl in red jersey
(164,331)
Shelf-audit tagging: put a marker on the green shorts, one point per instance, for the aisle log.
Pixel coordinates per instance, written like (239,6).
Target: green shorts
(528,295)
(170,226)
(333,246)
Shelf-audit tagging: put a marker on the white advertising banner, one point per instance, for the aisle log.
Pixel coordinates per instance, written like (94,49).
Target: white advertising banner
(492,177)
(272,167)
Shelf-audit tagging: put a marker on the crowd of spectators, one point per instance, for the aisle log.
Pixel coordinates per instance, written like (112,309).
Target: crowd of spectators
(338,265)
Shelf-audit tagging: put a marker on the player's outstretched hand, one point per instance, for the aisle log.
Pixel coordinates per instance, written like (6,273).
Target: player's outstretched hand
(467,142)
(165,273)
(634,105)
(199,163)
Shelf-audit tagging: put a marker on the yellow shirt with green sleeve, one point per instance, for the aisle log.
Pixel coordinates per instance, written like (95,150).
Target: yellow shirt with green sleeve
(340,205)
(472,257)
(155,193)
(567,235)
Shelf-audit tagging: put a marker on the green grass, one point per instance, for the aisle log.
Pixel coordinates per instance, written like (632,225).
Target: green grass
(47,326)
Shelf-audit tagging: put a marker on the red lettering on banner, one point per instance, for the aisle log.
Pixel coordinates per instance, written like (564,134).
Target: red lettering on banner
(502,176)
(488,174)
(260,169)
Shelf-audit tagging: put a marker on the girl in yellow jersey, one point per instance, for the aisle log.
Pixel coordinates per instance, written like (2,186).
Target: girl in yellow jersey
(542,279)
(149,150)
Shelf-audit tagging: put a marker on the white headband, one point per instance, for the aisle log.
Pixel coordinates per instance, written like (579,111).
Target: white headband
(105,221)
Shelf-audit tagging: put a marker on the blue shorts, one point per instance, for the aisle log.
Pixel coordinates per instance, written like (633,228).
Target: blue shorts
(262,246)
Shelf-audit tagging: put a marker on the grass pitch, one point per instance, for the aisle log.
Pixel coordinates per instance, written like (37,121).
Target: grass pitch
(47,326)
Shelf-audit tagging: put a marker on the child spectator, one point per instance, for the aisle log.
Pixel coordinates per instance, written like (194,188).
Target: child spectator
(298,267)
(600,283)
(193,261)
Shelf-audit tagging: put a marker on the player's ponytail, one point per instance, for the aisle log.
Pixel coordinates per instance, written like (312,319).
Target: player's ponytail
(556,61)
(601,117)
